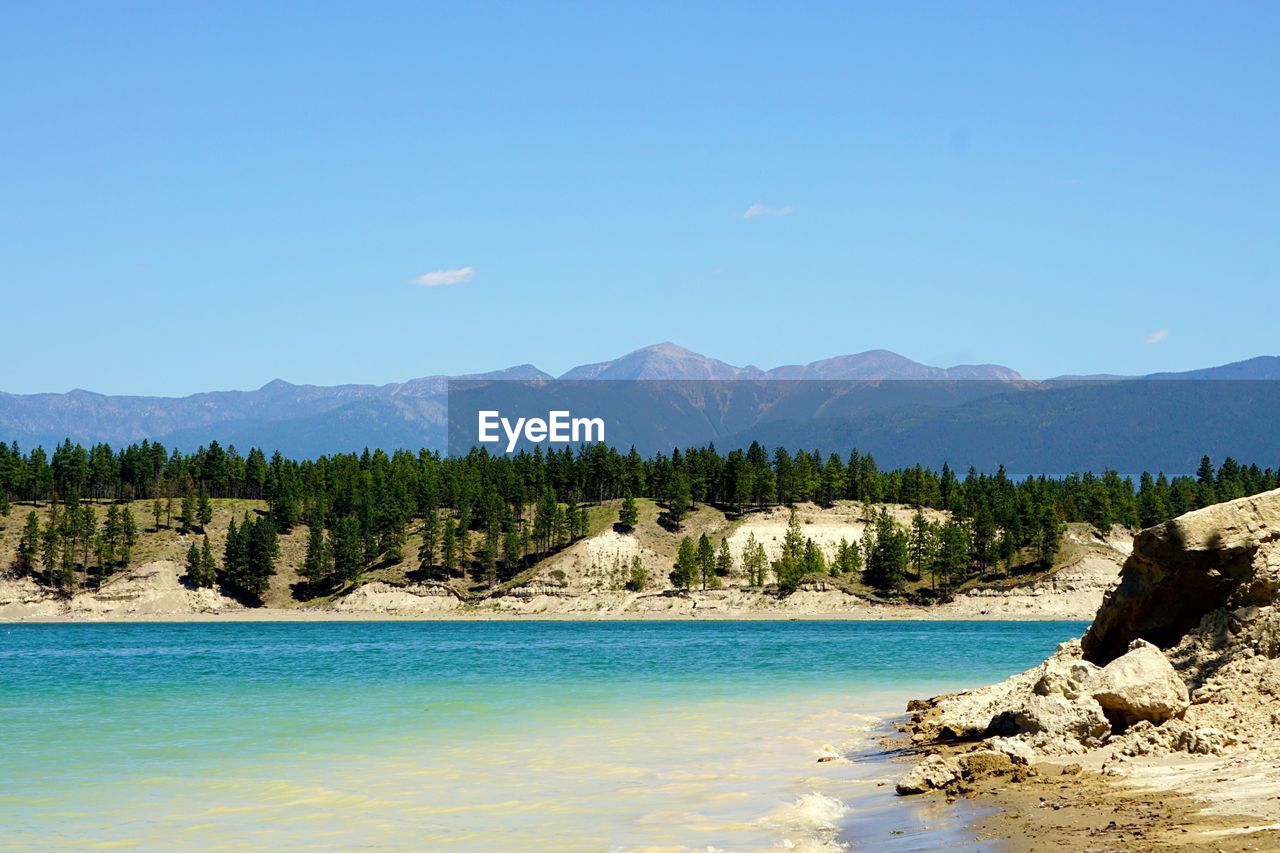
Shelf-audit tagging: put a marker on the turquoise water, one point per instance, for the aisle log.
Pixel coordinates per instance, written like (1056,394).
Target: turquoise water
(484,735)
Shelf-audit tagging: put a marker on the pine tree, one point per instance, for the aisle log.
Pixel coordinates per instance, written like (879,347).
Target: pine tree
(102,553)
(449,546)
(834,482)
(512,555)
(685,571)
(1205,491)
(571,519)
(628,514)
(1006,549)
(789,567)
(544,520)
(204,509)
(639,577)
(921,545)
(724,560)
(192,577)
(51,540)
(263,548)
(1153,507)
(317,565)
(813,561)
(348,550)
(234,553)
(678,500)
(391,542)
(524,542)
(560,524)
(430,533)
(113,534)
(489,556)
(128,536)
(755,564)
(848,559)
(208,568)
(887,566)
(88,528)
(951,560)
(706,562)
(984,537)
(29,544)
(1050,537)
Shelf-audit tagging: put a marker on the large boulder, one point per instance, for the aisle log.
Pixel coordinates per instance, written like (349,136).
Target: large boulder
(1049,708)
(1139,685)
(1226,555)
(929,775)
(985,762)
(1019,751)
(1066,676)
(1056,725)
(970,714)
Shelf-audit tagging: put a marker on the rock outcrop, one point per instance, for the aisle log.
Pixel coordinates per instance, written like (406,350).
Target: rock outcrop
(1222,556)
(1074,591)
(379,597)
(1139,685)
(151,589)
(1184,655)
(932,773)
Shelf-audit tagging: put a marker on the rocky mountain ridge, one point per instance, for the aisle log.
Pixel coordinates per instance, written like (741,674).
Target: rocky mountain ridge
(869,399)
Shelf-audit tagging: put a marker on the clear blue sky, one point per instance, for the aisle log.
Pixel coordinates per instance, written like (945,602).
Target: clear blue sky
(211,195)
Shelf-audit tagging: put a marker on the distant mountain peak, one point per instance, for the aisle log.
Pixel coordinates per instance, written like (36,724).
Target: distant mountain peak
(667,360)
(524,371)
(668,348)
(661,361)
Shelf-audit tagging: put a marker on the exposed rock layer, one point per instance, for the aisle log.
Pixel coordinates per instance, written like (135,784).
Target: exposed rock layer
(151,589)
(1222,556)
(1183,656)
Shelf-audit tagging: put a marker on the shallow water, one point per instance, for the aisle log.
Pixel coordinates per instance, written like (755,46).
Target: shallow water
(485,735)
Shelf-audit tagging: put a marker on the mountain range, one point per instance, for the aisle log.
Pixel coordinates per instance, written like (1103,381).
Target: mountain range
(669,361)
(308,420)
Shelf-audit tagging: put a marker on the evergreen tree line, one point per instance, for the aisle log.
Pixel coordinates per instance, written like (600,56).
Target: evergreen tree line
(487,516)
(71,540)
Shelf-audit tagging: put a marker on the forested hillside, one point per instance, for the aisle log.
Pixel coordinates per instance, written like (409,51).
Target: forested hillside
(73,518)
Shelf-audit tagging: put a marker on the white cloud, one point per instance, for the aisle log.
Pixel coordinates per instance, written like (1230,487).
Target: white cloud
(759,209)
(445,278)
(1156,337)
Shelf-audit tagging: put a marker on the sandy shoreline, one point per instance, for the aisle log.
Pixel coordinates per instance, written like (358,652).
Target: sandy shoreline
(281,614)
(154,592)
(1168,803)
(1094,812)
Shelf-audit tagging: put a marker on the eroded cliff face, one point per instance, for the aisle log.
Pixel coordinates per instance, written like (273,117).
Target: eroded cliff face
(1225,556)
(1183,656)
(148,590)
